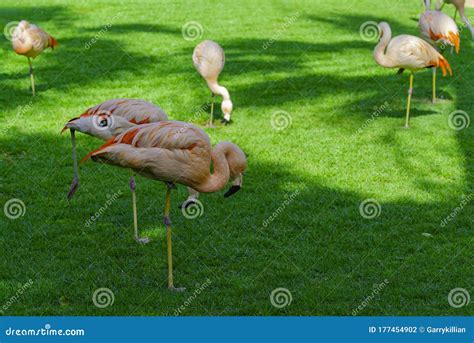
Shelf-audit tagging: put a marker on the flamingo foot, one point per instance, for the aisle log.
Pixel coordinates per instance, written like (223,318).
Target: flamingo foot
(177,289)
(73,188)
(142,240)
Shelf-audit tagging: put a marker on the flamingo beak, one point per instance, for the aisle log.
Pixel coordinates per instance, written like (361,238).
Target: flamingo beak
(236,186)
(70,125)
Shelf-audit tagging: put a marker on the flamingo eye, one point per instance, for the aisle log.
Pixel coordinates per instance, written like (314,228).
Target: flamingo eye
(103,122)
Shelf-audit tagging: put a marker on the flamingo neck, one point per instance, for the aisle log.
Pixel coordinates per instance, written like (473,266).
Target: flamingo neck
(218,89)
(217,180)
(379,52)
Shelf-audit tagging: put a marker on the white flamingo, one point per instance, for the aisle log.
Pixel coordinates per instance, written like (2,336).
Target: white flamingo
(209,60)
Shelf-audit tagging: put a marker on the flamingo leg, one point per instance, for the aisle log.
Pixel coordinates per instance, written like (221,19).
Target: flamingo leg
(32,77)
(410,92)
(75,179)
(211,120)
(434,85)
(167,222)
(141,240)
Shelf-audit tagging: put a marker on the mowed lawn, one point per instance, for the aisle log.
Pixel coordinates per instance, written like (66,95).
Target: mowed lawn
(296,224)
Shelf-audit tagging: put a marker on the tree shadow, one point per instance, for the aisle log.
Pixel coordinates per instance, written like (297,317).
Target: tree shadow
(283,228)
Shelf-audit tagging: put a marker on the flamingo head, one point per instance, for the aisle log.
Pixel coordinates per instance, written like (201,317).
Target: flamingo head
(102,125)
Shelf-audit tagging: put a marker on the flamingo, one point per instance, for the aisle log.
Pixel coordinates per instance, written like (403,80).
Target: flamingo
(407,52)
(174,152)
(107,120)
(439,29)
(209,59)
(459,4)
(29,40)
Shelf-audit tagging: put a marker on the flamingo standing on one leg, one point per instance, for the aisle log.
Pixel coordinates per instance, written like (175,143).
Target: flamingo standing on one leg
(439,29)
(29,40)
(173,152)
(407,52)
(459,4)
(107,120)
(209,59)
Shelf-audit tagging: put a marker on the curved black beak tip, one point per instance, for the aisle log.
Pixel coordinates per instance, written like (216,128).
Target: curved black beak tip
(232,190)
(73,188)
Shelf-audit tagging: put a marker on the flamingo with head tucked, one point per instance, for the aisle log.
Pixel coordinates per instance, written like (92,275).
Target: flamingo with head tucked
(110,119)
(29,40)
(174,152)
(209,60)
(439,29)
(407,52)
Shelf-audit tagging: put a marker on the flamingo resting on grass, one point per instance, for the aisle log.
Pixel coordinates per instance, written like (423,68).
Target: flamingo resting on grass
(29,40)
(110,119)
(407,52)
(459,4)
(439,29)
(174,152)
(209,60)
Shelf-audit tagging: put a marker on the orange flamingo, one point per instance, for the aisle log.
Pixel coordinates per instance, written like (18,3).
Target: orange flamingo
(29,40)
(107,120)
(407,52)
(209,60)
(174,152)
(459,4)
(439,29)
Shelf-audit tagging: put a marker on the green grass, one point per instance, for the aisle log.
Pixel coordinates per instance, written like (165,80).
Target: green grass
(319,247)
